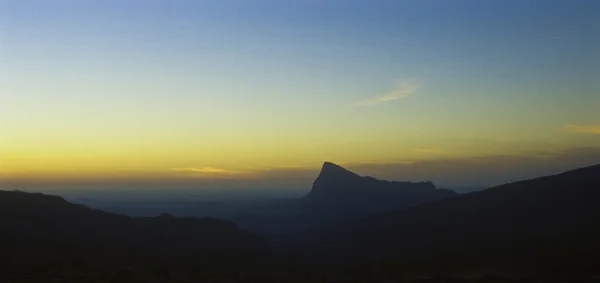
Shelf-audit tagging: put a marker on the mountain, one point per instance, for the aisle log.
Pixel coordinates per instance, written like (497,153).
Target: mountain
(337,195)
(337,188)
(553,219)
(46,225)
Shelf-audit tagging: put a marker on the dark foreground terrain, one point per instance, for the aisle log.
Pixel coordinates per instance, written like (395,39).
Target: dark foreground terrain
(539,230)
(190,271)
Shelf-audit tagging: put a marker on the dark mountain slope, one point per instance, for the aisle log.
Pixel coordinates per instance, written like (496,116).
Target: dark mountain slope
(38,223)
(544,217)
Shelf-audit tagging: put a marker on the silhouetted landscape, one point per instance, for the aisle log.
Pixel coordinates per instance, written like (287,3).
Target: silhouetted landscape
(272,141)
(336,195)
(540,229)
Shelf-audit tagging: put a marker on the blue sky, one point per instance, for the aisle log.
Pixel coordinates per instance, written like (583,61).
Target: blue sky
(231,86)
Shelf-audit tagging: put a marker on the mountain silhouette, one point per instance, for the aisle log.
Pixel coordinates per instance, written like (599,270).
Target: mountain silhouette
(337,195)
(544,227)
(336,186)
(553,219)
(38,222)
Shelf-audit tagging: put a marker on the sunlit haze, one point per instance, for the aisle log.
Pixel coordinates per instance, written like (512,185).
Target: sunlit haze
(259,93)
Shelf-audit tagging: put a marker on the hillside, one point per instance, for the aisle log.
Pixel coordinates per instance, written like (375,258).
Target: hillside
(49,225)
(548,219)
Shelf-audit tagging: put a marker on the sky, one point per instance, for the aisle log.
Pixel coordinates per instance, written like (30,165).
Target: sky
(260,93)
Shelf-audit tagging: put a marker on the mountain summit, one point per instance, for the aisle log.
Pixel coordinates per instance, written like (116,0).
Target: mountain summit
(333,171)
(337,185)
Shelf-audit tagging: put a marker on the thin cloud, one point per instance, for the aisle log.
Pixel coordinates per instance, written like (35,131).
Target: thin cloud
(209,173)
(485,170)
(402,90)
(427,150)
(588,129)
(201,170)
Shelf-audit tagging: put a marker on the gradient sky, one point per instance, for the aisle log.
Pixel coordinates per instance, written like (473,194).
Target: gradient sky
(237,89)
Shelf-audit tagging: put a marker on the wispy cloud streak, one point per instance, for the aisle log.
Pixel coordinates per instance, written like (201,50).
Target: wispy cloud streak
(427,150)
(201,170)
(402,90)
(588,129)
